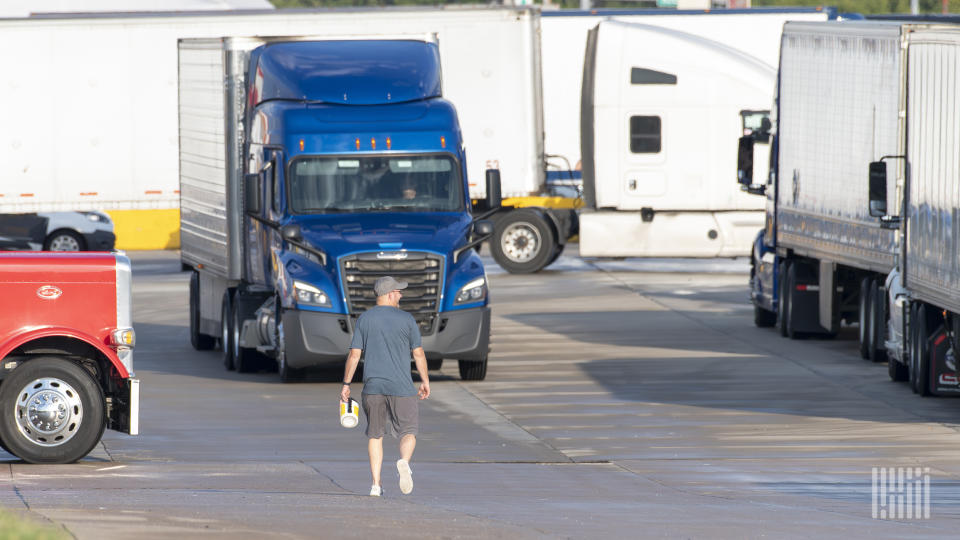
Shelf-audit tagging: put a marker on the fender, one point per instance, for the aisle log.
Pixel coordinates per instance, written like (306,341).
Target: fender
(107,351)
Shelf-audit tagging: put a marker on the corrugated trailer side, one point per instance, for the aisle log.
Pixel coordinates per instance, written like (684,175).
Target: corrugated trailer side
(838,111)
(206,227)
(931,258)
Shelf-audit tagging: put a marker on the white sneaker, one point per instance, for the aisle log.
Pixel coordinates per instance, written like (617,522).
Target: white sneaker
(376,491)
(406,476)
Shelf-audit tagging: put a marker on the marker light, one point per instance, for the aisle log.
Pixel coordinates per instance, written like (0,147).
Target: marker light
(389,143)
(301,145)
(443,142)
(373,143)
(357,142)
(123,337)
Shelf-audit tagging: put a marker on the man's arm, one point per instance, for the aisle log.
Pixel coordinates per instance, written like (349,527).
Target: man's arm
(353,359)
(420,360)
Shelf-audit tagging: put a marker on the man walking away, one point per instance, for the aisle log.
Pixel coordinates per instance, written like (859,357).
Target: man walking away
(386,336)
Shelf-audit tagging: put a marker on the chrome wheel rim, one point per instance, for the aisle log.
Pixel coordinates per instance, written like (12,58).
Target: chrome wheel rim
(48,412)
(64,242)
(520,242)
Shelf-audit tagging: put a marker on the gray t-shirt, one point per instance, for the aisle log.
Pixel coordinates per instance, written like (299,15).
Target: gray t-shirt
(386,335)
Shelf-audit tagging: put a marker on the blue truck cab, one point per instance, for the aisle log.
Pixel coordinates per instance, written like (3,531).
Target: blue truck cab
(354,169)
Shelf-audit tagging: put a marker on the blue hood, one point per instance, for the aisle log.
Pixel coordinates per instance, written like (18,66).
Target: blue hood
(342,234)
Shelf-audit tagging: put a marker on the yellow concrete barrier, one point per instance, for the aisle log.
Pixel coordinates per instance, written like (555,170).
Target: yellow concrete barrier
(146,229)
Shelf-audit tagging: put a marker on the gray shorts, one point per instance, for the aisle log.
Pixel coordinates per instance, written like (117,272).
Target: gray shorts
(393,415)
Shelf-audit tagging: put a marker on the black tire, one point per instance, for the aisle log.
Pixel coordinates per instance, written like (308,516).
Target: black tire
(763,318)
(783,306)
(287,373)
(64,240)
(791,286)
(473,370)
(878,324)
(863,316)
(200,342)
(898,372)
(922,381)
(523,242)
(434,364)
(912,347)
(244,360)
(60,381)
(556,254)
(226,329)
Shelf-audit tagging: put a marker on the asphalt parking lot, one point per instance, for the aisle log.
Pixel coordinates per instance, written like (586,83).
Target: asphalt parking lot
(623,399)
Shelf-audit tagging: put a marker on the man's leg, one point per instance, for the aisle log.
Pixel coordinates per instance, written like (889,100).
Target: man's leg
(375,449)
(407,444)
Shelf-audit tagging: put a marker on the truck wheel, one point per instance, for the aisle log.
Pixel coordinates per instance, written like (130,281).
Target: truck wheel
(434,364)
(226,329)
(473,370)
(920,375)
(763,318)
(287,373)
(556,254)
(877,329)
(51,411)
(791,286)
(863,317)
(898,371)
(200,342)
(783,306)
(244,360)
(64,240)
(523,242)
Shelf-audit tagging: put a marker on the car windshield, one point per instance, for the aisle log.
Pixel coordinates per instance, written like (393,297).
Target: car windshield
(322,185)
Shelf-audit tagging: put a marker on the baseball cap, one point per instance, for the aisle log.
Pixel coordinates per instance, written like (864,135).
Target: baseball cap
(386,284)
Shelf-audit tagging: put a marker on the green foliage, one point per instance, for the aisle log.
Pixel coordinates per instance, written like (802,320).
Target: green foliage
(13,527)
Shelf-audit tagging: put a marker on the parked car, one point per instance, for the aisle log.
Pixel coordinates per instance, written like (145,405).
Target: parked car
(57,231)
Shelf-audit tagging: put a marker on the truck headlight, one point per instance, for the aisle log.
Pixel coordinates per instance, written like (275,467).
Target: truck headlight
(309,295)
(475,291)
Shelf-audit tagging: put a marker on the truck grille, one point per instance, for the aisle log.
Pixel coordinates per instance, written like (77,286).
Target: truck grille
(422,271)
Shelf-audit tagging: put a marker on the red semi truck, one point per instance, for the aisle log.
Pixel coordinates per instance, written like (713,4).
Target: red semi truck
(66,353)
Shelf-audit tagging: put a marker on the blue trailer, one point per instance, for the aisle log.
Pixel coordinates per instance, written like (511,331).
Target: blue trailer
(308,169)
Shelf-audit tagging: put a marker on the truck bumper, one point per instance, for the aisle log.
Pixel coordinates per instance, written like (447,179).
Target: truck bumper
(314,338)
(100,240)
(124,412)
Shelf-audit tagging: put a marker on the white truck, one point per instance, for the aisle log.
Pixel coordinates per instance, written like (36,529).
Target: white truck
(923,292)
(821,258)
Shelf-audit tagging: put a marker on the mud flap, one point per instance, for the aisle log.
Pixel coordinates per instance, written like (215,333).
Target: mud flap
(943,372)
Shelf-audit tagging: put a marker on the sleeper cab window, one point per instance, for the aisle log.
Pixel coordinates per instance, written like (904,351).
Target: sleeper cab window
(645,134)
(645,131)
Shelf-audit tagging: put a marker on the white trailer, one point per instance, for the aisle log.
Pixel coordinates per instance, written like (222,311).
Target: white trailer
(923,292)
(92,105)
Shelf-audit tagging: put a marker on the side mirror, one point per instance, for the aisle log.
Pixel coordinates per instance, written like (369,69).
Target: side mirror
(878,189)
(292,233)
(493,189)
(483,227)
(251,193)
(745,161)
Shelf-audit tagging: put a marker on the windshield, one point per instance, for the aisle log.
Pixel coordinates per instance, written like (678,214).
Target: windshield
(321,185)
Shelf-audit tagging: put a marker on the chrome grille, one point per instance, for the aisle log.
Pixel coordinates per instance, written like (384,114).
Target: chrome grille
(422,271)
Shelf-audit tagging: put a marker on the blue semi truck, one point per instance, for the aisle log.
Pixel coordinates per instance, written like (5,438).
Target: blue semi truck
(308,169)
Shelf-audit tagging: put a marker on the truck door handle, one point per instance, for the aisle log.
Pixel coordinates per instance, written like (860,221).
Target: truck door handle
(632,185)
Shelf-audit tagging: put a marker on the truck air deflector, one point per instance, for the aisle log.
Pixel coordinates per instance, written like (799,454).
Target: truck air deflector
(348,72)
